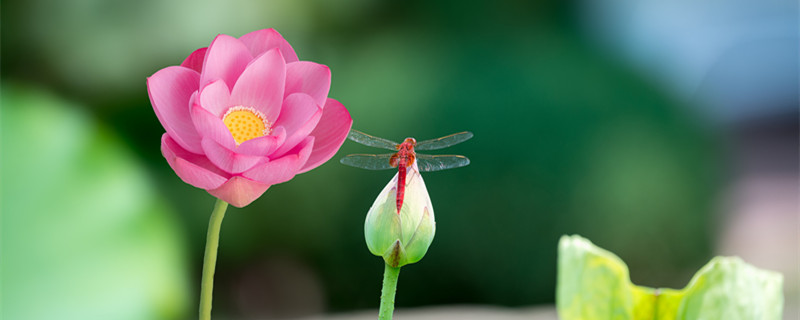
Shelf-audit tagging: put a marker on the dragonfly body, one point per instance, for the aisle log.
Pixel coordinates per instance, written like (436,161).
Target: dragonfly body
(405,156)
(403,159)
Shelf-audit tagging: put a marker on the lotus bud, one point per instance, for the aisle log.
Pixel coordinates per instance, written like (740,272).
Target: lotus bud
(401,237)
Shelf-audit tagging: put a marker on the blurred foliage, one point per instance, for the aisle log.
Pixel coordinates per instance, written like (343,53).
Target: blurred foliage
(84,234)
(594,284)
(566,141)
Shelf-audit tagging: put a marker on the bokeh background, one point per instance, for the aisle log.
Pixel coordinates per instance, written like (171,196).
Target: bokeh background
(665,131)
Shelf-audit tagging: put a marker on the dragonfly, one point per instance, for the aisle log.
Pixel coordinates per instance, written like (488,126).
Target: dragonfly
(405,155)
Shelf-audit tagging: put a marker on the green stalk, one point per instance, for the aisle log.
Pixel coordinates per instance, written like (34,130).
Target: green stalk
(210,259)
(387,293)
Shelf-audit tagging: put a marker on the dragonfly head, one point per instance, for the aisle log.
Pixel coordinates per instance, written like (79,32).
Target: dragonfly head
(411,141)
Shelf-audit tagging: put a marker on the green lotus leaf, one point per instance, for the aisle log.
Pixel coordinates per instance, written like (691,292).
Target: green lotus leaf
(84,233)
(594,284)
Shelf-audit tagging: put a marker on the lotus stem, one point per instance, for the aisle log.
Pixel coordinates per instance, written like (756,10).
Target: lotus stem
(210,259)
(390,275)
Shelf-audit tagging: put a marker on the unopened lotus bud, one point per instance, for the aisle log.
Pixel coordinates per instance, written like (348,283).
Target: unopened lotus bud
(401,237)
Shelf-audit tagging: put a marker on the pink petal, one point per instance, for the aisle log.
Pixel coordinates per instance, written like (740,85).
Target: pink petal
(282,169)
(299,116)
(226,58)
(263,146)
(215,98)
(261,85)
(261,41)
(329,134)
(308,77)
(211,126)
(195,60)
(239,191)
(170,90)
(192,102)
(193,169)
(228,160)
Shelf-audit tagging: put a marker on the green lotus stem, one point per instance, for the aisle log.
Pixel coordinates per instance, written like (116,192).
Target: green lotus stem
(210,259)
(387,293)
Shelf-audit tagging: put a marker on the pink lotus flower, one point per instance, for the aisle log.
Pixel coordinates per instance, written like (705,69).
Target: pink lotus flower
(244,114)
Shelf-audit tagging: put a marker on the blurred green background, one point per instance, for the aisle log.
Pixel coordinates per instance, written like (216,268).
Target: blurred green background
(633,125)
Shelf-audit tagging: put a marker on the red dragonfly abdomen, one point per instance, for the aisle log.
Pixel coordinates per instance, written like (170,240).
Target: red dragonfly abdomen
(401,186)
(402,160)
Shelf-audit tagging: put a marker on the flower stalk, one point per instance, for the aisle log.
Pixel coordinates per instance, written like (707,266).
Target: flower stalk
(390,275)
(210,259)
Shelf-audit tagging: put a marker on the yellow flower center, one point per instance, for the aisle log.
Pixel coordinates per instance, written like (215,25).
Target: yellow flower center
(246,123)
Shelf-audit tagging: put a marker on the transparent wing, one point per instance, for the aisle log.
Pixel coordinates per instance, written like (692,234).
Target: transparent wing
(443,142)
(427,163)
(368,161)
(371,141)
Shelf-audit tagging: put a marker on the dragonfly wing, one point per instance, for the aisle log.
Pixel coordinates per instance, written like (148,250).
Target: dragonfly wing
(443,142)
(371,141)
(427,163)
(368,161)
